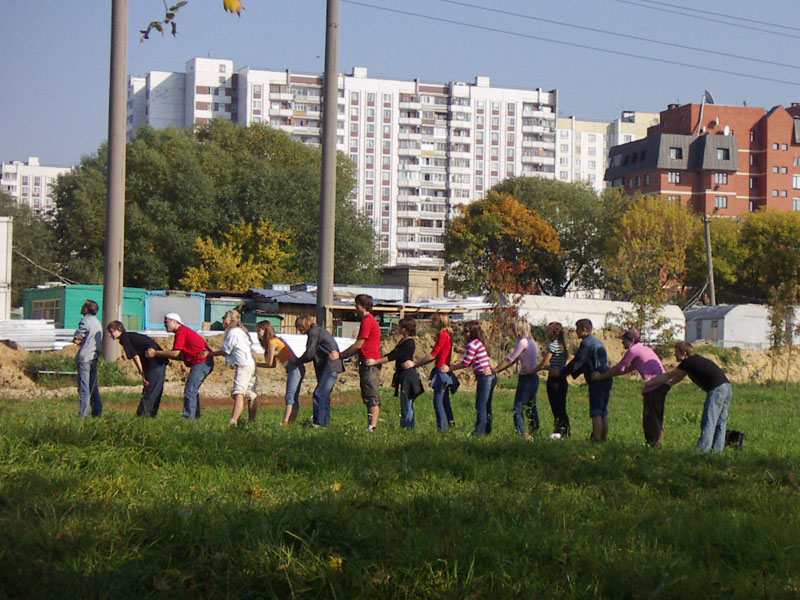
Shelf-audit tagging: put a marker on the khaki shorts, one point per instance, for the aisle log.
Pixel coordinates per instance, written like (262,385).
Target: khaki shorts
(245,381)
(370,378)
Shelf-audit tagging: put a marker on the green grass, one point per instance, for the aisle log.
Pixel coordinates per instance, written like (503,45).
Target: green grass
(121,507)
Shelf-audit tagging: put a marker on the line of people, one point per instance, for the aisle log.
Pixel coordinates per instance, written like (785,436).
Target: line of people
(590,360)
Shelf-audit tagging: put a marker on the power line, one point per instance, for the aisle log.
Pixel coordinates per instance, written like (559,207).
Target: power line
(571,44)
(708,12)
(683,14)
(621,35)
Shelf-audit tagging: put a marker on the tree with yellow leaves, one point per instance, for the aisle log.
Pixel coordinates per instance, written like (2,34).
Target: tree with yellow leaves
(247,256)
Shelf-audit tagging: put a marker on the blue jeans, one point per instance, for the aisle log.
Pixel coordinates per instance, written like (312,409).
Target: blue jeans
(295,372)
(715,419)
(88,394)
(191,391)
(322,398)
(406,411)
(440,382)
(483,403)
(525,396)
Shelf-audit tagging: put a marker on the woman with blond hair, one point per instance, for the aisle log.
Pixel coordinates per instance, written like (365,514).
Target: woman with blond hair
(237,350)
(441,379)
(477,357)
(527,354)
(276,350)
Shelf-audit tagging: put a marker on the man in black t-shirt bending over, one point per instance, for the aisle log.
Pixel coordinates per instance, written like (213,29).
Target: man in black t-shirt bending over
(152,370)
(711,379)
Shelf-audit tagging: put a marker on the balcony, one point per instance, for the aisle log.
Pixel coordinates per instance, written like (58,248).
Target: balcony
(284,96)
(416,105)
(410,120)
(409,151)
(281,112)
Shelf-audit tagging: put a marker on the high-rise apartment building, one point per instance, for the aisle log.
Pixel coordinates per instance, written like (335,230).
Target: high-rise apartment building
(717,159)
(31,184)
(420,149)
(582,146)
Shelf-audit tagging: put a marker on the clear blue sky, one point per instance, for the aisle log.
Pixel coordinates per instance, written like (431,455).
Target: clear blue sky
(54,69)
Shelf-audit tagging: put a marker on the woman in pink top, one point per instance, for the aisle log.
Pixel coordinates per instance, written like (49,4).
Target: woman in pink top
(527,354)
(477,357)
(441,379)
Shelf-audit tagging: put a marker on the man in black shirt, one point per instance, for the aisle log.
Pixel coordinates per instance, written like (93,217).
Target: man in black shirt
(712,380)
(152,370)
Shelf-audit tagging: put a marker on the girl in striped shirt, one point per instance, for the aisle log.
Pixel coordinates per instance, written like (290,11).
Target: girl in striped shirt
(477,357)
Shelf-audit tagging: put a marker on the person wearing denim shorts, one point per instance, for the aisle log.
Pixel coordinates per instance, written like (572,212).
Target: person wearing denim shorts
(719,393)
(592,357)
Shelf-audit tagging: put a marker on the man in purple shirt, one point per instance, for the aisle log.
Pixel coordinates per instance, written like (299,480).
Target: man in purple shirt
(644,360)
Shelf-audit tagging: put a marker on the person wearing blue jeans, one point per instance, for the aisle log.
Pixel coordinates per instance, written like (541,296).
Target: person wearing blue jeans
(526,354)
(88,337)
(319,346)
(483,403)
(440,382)
(191,391)
(719,393)
(277,351)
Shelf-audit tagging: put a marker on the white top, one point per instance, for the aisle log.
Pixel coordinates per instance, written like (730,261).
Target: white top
(236,347)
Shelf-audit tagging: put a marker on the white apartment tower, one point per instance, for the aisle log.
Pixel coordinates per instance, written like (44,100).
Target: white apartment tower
(582,146)
(31,184)
(420,150)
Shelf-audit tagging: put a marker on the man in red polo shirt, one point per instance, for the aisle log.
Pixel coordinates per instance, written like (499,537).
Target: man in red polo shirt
(368,345)
(193,350)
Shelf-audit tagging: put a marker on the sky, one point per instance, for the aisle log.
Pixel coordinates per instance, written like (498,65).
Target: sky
(55,54)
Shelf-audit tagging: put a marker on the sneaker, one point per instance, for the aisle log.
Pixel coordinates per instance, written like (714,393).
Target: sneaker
(284,423)
(370,428)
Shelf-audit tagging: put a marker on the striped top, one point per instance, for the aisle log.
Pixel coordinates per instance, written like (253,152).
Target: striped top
(476,357)
(559,358)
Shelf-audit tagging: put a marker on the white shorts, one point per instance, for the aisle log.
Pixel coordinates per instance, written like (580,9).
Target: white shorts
(245,381)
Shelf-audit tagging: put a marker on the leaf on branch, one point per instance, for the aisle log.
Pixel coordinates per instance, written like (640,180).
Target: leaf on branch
(233,6)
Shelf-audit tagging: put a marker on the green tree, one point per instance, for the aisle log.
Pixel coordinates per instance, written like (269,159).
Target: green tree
(771,244)
(34,258)
(575,212)
(181,185)
(728,258)
(494,235)
(646,255)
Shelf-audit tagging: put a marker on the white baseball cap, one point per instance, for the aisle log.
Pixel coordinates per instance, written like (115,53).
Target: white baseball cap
(173,317)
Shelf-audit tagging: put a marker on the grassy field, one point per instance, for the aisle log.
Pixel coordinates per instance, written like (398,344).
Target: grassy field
(121,507)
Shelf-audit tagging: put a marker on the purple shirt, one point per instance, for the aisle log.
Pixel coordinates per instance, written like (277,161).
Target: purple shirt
(527,353)
(644,360)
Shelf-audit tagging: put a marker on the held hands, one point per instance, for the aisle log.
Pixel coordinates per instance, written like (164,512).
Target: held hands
(409,364)
(145,382)
(205,353)
(150,353)
(554,371)
(370,362)
(334,355)
(596,376)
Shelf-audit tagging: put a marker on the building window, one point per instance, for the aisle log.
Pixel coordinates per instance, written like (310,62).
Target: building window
(796,204)
(592,137)
(721,178)
(563,175)
(647,179)
(564,133)
(564,148)
(592,164)
(673,198)
(783,194)
(674,176)
(774,146)
(720,202)
(774,169)
(796,182)
(723,154)
(752,136)
(752,183)
(774,193)
(784,170)
(638,181)
(752,160)
(784,147)
(676,153)
(222,69)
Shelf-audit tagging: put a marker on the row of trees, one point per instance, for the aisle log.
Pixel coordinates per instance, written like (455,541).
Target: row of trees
(223,207)
(549,235)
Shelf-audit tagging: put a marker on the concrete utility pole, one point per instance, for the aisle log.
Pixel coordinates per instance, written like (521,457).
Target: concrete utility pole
(115,200)
(709,264)
(327,212)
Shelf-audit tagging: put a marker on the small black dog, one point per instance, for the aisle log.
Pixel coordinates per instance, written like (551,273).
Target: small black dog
(734,438)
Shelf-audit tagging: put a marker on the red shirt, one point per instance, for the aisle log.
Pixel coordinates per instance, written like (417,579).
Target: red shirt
(370,332)
(188,341)
(443,349)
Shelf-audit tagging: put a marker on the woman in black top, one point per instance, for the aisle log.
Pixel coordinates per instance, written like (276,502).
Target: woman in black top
(406,382)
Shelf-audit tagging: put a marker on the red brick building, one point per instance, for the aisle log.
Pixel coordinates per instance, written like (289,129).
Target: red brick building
(717,159)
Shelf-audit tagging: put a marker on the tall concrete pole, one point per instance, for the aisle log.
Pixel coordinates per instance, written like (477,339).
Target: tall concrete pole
(115,199)
(709,264)
(327,212)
